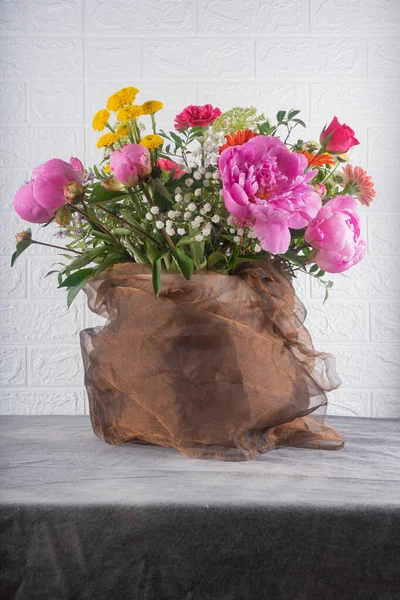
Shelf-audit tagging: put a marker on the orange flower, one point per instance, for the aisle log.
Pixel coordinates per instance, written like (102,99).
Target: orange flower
(318,160)
(238,139)
(360,184)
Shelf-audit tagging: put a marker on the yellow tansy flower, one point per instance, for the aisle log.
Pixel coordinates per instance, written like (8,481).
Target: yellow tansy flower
(128,113)
(100,119)
(151,106)
(107,169)
(122,130)
(108,139)
(152,141)
(122,98)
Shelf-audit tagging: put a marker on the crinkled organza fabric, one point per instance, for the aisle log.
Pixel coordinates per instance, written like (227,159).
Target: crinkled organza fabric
(216,367)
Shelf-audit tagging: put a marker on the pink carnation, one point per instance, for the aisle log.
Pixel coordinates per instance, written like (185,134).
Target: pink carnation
(265,182)
(196,116)
(170,165)
(335,234)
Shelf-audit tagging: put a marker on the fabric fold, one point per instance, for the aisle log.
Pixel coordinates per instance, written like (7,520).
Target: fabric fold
(216,367)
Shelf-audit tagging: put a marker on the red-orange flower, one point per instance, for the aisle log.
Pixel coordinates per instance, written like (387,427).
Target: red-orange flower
(238,139)
(361,184)
(318,160)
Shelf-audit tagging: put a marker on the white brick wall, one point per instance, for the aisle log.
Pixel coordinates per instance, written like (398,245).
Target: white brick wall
(60,59)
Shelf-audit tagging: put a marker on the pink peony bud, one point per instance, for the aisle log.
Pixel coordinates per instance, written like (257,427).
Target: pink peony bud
(38,201)
(73,192)
(336,236)
(113,184)
(63,216)
(24,235)
(131,164)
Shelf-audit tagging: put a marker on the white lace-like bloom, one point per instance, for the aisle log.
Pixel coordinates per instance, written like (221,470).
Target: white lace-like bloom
(207,207)
(178,190)
(232,230)
(215,218)
(170,231)
(191,206)
(181,231)
(208,175)
(252,235)
(229,220)
(168,223)
(206,183)
(188,170)
(197,192)
(149,216)
(178,198)
(189,182)
(186,197)
(197,221)
(202,170)
(206,230)
(187,216)
(155,210)
(202,211)
(257,248)
(240,231)
(236,239)
(171,214)
(160,224)
(199,238)
(197,175)
(215,175)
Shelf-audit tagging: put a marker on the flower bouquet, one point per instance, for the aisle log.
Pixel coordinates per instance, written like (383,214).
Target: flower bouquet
(187,242)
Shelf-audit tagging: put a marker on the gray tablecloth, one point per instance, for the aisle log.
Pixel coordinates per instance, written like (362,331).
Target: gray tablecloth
(80,519)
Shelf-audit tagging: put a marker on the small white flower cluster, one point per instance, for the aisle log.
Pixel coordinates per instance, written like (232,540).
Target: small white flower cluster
(198,205)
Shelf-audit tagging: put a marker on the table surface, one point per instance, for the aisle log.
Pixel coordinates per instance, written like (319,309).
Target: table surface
(51,460)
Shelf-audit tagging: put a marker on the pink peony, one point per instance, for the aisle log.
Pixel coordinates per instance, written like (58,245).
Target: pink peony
(131,164)
(170,165)
(265,182)
(38,201)
(335,234)
(196,116)
(341,140)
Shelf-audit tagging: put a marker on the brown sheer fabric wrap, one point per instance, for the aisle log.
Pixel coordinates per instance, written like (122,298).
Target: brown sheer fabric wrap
(217,367)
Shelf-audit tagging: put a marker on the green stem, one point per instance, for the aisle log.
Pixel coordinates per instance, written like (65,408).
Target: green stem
(153,124)
(130,224)
(99,225)
(54,246)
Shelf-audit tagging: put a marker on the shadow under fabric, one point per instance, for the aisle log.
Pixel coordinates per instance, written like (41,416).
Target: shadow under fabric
(218,367)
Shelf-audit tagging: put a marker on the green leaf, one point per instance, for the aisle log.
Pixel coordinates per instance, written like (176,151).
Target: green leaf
(74,291)
(292,113)
(186,239)
(76,278)
(184,262)
(234,257)
(280,116)
(112,258)
(314,268)
(21,247)
(156,271)
(86,258)
(216,258)
(300,122)
(156,277)
(162,197)
(100,194)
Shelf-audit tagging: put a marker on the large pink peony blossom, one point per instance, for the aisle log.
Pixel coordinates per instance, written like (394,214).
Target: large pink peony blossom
(196,116)
(131,164)
(38,201)
(335,234)
(265,182)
